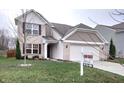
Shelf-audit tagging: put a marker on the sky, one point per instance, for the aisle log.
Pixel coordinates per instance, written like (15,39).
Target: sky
(65,16)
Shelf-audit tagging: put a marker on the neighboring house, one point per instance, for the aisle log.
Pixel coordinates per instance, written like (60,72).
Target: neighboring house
(3,42)
(12,43)
(58,41)
(116,32)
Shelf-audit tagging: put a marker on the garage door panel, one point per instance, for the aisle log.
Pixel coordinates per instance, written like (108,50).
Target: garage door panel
(76,55)
(93,50)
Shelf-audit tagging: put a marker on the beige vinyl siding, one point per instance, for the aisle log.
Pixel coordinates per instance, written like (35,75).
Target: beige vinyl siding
(31,18)
(48,30)
(66,51)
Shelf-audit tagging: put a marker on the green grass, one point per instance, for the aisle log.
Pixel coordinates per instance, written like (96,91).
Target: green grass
(118,60)
(48,71)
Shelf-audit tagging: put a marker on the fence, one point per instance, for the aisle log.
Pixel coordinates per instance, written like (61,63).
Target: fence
(11,53)
(3,52)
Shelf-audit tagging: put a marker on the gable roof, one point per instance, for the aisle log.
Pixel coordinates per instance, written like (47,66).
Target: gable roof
(86,36)
(118,27)
(64,29)
(78,26)
(102,25)
(83,26)
(61,28)
(38,14)
(105,27)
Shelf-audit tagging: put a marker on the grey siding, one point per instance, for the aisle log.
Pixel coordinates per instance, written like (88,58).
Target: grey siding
(117,37)
(106,32)
(120,44)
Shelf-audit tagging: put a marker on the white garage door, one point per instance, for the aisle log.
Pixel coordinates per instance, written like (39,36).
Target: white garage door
(76,55)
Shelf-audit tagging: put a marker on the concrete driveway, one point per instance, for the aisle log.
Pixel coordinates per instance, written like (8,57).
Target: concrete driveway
(110,67)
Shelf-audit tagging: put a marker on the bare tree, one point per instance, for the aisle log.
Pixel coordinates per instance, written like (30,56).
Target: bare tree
(115,16)
(3,39)
(101,50)
(93,21)
(13,29)
(25,36)
(116,13)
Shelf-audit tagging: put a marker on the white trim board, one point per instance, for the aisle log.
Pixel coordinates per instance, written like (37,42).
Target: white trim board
(100,36)
(82,42)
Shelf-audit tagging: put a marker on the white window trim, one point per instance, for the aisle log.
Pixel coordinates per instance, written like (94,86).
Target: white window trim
(35,48)
(35,29)
(29,48)
(32,49)
(32,28)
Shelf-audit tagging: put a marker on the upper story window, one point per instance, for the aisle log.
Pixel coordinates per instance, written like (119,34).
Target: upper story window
(32,29)
(35,29)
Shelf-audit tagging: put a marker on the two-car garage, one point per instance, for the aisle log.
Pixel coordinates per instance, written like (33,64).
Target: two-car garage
(84,43)
(77,52)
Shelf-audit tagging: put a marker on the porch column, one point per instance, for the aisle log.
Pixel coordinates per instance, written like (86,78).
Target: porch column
(45,50)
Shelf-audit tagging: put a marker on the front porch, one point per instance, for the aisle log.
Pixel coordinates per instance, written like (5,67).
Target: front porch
(48,44)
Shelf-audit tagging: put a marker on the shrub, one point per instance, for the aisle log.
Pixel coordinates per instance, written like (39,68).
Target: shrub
(18,52)
(112,50)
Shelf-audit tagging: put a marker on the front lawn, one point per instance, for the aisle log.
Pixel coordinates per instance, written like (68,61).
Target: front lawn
(48,71)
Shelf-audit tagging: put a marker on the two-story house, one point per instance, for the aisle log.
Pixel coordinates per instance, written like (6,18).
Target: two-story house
(58,41)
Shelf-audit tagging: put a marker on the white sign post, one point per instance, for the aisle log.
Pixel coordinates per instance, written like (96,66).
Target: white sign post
(81,64)
(81,68)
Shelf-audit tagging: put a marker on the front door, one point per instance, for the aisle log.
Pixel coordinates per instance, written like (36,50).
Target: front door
(48,51)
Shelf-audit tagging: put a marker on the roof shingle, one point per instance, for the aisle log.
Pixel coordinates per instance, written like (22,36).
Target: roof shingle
(64,29)
(61,28)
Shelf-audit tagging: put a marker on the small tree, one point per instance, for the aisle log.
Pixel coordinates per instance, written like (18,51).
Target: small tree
(112,50)
(18,52)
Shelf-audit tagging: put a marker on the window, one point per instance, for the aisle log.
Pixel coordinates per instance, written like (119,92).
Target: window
(28,48)
(32,29)
(35,29)
(35,48)
(32,48)
(35,45)
(28,51)
(28,29)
